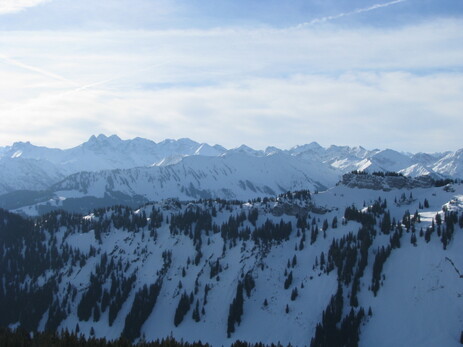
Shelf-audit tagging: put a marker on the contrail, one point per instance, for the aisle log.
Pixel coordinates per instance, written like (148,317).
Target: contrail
(340,15)
(36,69)
(53,97)
(99,83)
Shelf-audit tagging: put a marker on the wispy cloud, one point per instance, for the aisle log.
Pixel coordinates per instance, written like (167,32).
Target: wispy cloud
(12,6)
(354,108)
(231,86)
(52,97)
(35,69)
(345,14)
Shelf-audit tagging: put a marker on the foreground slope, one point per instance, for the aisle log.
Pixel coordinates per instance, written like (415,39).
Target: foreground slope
(302,269)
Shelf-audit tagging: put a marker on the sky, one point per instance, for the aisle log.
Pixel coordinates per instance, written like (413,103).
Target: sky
(375,73)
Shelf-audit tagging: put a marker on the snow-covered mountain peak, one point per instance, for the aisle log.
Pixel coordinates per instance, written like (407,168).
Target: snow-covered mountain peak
(459,153)
(425,158)
(183,146)
(27,150)
(357,152)
(388,160)
(451,164)
(102,152)
(247,150)
(19,147)
(390,153)
(207,150)
(220,148)
(183,142)
(102,140)
(21,144)
(313,146)
(415,170)
(271,150)
(142,140)
(360,151)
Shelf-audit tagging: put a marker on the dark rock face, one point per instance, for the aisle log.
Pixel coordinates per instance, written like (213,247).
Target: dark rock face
(386,183)
(292,209)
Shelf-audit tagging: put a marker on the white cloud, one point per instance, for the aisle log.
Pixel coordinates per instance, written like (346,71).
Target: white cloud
(399,88)
(205,56)
(13,6)
(398,110)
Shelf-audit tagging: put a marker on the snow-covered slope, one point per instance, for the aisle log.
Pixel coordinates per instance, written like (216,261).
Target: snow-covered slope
(17,174)
(451,164)
(388,160)
(40,167)
(235,175)
(344,158)
(347,159)
(90,272)
(416,170)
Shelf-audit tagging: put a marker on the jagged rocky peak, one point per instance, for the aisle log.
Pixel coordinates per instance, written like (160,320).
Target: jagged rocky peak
(298,203)
(26,150)
(21,144)
(17,149)
(103,137)
(102,141)
(385,181)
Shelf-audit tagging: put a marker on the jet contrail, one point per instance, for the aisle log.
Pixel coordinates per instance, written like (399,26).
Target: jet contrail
(99,83)
(36,69)
(53,97)
(340,15)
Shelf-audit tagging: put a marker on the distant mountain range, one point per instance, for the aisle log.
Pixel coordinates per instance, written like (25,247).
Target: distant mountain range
(113,170)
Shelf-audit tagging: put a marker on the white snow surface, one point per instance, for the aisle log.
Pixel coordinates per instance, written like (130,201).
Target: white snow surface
(231,176)
(25,166)
(419,303)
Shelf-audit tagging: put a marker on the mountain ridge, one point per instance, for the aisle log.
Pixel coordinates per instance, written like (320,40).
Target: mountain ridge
(25,166)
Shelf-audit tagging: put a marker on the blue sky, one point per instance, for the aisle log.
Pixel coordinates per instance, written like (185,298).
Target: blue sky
(163,14)
(382,74)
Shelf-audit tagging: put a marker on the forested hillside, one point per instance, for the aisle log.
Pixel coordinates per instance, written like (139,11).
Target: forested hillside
(346,267)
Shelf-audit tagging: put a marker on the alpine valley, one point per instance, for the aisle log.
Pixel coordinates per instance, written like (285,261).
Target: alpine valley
(311,246)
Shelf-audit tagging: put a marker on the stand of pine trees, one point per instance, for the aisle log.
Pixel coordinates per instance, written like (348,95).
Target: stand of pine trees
(10,337)
(236,310)
(143,304)
(23,338)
